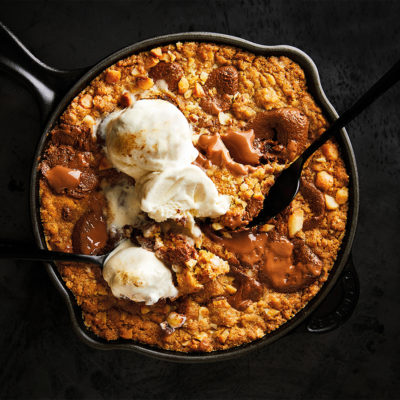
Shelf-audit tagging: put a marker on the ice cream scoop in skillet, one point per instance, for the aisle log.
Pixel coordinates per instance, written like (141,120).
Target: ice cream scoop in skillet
(287,184)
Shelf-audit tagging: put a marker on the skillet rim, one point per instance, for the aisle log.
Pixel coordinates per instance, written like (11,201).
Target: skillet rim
(314,87)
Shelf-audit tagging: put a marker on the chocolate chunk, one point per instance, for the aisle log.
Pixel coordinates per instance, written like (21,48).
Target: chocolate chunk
(308,266)
(225,79)
(249,290)
(169,72)
(287,125)
(65,161)
(90,234)
(211,105)
(67,156)
(254,206)
(315,198)
(79,137)
(176,249)
(88,183)
(304,254)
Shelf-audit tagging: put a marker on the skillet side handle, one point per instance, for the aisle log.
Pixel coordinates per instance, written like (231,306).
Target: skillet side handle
(345,296)
(48,84)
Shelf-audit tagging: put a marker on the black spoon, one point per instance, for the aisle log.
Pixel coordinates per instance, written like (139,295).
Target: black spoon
(287,184)
(20,251)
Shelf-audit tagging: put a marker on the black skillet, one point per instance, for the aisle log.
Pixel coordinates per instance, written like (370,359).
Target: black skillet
(55,89)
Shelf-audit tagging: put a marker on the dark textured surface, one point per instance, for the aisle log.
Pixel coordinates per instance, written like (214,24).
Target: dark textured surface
(352,43)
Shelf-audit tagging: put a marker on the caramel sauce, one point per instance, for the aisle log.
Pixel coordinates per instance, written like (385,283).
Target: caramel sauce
(202,162)
(219,155)
(274,257)
(240,146)
(61,178)
(278,266)
(249,247)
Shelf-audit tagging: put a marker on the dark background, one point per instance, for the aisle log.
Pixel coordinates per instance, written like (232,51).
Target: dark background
(352,43)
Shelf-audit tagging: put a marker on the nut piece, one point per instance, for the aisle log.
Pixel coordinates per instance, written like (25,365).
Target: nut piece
(330,151)
(187,94)
(176,320)
(88,121)
(317,167)
(166,328)
(145,309)
(156,52)
(183,85)
(151,62)
(216,226)
(295,222)
(144,82)
(330,202)
(342,195)
(242,111)
(172,56)
(271,313)
(86,101)
(223,336)
(113,76)
(223,118)
(266,228)
(198,90)
(169,72)
(203,77)
(323,181)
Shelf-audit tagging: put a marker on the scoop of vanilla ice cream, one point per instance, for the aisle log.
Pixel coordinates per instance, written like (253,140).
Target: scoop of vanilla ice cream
(137,274)
(178,192)
(151,135)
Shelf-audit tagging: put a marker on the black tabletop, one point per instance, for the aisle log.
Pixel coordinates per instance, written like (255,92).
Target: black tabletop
(352,43)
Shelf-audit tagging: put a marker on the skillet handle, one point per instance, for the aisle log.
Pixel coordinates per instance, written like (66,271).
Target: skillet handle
(339,304)
(49,84)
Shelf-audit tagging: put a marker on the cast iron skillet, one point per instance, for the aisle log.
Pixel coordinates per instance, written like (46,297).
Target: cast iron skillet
(51,87)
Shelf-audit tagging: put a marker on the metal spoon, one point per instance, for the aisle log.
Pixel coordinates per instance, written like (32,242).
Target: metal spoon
(20,251)
(287,184)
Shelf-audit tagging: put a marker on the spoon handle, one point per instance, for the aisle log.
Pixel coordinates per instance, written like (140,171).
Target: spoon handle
(22,251)
(380,87)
